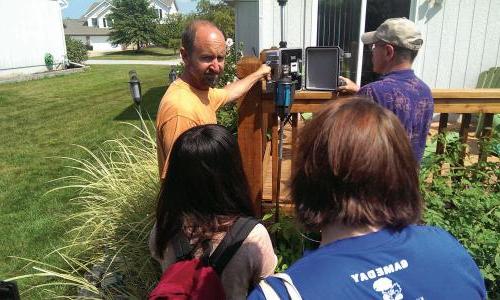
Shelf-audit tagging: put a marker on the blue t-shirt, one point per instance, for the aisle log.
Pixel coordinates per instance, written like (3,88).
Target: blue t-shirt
(410,99)
(418,262)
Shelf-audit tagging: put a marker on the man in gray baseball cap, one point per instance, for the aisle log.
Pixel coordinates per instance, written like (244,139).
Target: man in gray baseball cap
(394,46)
(399,32)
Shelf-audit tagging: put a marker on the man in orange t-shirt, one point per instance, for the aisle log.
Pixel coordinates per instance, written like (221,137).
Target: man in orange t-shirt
(191,100)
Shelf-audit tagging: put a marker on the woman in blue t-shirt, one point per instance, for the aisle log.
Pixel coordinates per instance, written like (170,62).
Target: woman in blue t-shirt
(356,182)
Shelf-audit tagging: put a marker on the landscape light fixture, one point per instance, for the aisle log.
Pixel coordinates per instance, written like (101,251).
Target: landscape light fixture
(172,76)
(135,87)
(135,91)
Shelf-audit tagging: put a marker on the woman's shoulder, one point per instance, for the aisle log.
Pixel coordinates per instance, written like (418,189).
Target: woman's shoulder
(258,250)
(257,241)
(258,232)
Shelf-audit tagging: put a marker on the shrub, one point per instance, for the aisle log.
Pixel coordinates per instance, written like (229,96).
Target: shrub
(290,241)
(228,114)
(76,50)
(465,202)
(49,60)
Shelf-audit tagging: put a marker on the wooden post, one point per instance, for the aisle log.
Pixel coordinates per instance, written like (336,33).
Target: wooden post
(486,134)
(275,164)
(463,136)
(443,123)
(295,123)
(250,132)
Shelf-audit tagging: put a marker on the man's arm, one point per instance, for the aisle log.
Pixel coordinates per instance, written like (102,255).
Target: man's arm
(238,88)
(349,88)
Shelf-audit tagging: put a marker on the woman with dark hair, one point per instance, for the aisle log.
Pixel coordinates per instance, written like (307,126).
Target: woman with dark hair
(356,182)
(203,194)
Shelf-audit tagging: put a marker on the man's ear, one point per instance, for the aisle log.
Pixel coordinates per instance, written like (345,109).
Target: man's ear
(184,54)
(390,51)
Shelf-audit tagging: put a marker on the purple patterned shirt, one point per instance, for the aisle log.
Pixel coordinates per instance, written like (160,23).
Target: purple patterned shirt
(410,99)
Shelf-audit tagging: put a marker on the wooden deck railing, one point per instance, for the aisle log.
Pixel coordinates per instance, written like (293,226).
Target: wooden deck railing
(257,121)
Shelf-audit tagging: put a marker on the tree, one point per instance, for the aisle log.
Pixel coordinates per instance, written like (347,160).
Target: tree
(170,31)
(222,15)
(134,22)
(219,13)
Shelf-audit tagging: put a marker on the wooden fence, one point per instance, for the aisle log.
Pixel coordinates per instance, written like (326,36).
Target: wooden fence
(257,120)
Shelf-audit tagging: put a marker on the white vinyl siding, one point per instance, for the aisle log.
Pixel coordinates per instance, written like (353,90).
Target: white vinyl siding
(25,42)
(461,40)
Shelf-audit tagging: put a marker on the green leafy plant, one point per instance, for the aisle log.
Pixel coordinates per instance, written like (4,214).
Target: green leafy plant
(466,202)
(49,60)
(76,50)
(289,240)
(228,114)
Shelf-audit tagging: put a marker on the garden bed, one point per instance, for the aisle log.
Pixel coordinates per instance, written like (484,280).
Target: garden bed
(20,78)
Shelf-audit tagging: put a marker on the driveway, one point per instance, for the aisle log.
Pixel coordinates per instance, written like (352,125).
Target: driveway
(132,62)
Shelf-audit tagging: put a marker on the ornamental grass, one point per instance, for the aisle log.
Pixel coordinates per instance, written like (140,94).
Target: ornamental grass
(107,253)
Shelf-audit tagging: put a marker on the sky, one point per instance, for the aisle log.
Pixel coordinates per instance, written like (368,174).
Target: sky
(76,8)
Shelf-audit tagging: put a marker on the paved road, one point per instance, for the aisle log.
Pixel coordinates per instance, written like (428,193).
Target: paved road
(132,62)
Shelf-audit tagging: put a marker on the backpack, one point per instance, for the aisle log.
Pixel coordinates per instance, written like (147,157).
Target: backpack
(199,278)
(271,293)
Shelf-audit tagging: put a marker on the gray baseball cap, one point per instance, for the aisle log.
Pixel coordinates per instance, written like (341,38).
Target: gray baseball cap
(399,32)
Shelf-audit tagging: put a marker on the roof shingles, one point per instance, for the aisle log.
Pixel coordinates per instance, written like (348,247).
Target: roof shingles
(74,27)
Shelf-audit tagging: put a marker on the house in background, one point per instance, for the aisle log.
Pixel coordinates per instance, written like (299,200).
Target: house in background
(29,29)
(461,37)
(93,27)
(94,37)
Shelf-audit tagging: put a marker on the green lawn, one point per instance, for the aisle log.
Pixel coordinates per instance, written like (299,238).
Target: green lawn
(42,120)
(153,53)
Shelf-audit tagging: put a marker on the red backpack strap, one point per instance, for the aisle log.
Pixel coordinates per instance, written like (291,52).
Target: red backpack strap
(231,243)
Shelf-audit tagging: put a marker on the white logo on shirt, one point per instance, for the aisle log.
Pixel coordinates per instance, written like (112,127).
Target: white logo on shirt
(380,271)
(390,290)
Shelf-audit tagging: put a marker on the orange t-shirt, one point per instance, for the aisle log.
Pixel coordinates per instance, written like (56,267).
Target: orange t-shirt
(183,107)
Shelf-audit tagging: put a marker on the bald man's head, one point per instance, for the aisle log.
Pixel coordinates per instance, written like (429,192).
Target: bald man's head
(189,34)
(203,52)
